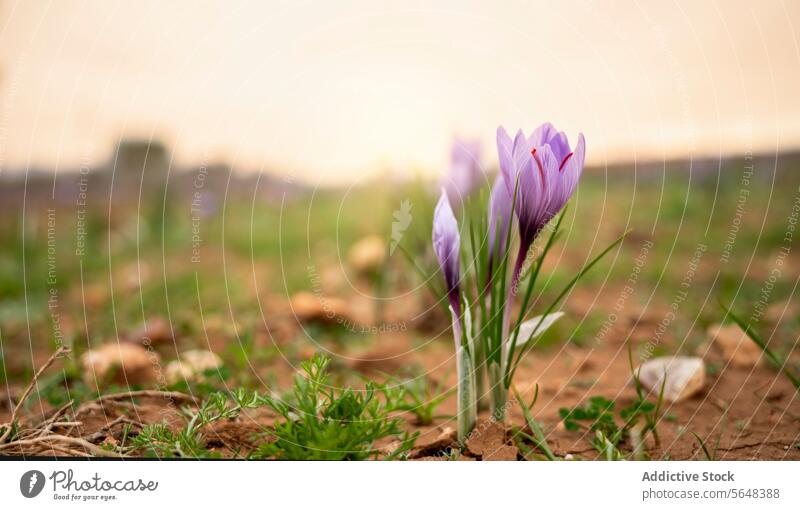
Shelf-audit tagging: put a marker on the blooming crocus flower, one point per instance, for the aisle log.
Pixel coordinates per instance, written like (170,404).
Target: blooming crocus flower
(446,244)
(544,171)
(465,172)
(540,172)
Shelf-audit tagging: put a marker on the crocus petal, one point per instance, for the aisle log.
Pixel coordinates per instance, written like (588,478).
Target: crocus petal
(521,152)
(542,134)
(560,146)
(446,245)
(499,216)
(536,326)
(465,174)
(504,154)
(574,167)
(549,135)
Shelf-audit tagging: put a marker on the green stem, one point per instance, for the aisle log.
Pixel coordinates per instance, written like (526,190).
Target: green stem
(499,392)
(467,406)
(480,375)
(512,366)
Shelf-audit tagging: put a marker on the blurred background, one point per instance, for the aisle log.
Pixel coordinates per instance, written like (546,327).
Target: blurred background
(245,177)
(336,92)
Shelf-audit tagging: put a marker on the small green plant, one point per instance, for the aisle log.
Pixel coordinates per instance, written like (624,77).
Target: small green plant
(159,440)
(709,454)
(538,438)
(597,416)
(320,422)
(606,447)
(641,408)
(452,454)
(421,397)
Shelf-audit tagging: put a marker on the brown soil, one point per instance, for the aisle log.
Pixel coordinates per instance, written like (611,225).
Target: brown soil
(751,413)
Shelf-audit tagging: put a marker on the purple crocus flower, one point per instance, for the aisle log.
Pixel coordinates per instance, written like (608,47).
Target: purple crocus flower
(544,171)
(446,245)
(465,172)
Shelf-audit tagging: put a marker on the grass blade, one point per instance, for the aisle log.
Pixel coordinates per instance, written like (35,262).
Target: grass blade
(539,438)
(512,369)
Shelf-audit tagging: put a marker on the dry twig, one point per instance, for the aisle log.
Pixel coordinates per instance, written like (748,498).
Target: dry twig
(41,439)
(58,440)
(47,425)
(100,434)
(61,351)
(168,395)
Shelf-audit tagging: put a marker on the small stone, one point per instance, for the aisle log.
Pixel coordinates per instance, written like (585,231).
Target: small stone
(782,311)
(734,345)
(685,376)
(569,456)
(122,363)
(191,366)
(309,307)
(154,332)
(368,254)
(332,280)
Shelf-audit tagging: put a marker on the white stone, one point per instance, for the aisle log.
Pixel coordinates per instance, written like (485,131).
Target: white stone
(734,345)
(192,365)
(685,376)
(120,362)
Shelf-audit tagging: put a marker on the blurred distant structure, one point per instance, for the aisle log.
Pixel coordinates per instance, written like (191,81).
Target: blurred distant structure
(145,160)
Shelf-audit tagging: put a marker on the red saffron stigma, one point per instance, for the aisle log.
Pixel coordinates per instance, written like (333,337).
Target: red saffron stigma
(538,163)
(564,162)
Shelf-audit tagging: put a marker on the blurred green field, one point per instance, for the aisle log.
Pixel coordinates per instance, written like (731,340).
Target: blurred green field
(138,260)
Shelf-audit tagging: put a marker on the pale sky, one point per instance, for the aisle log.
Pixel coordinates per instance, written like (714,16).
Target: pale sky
(336,92)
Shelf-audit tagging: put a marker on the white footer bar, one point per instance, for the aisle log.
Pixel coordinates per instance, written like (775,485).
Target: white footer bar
(389,485)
